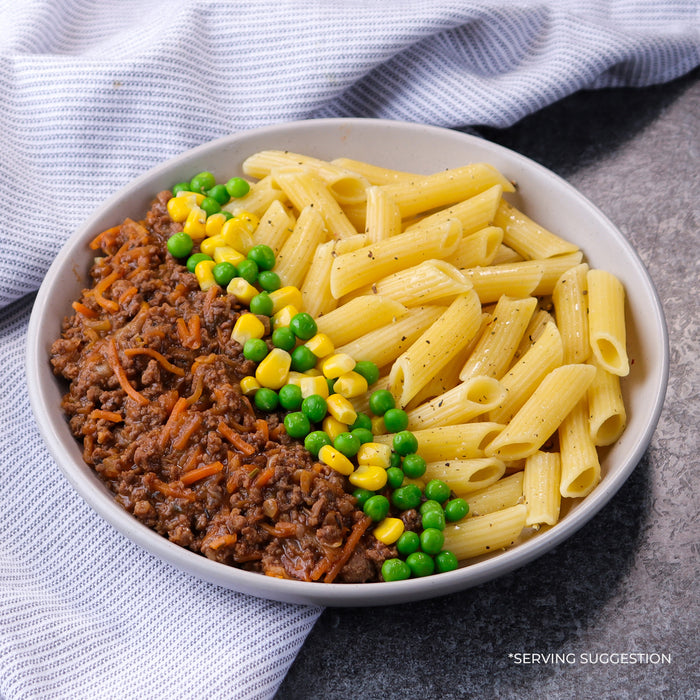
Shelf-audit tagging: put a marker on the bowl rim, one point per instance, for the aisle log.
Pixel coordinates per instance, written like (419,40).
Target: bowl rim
(53,427)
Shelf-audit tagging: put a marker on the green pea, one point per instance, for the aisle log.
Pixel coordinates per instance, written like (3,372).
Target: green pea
(269,281)
(456,509)
(297,424)
(445,561)
(196,258)
(408,543)
(180,187)
(220,194)
(361,495)
(237,187)
(347,444)
(429,505)
(394,477)
(263,255)
(283,338)
(433,519)
(376,507)
(303,326)
(431,540)
(180,245)
(380,401)
(362,421)
(405,442)
(303,359)
(210,206)
(290,397)
(363,435)
(223,273)
(421,564)
(262,304)
(248,270)
(202,182)
(368,370)
(436,490)
(255,349)
(266,399)
(227,214)
(395,420)
(406,497)
(395,570)
(315,440)
(330,381)
(413,466)
(395,460)
(314,407)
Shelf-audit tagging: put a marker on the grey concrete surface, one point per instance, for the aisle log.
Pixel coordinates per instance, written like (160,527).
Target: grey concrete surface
(628,581)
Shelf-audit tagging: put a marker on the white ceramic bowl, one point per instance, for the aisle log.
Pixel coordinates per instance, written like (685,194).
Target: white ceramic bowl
(411,147)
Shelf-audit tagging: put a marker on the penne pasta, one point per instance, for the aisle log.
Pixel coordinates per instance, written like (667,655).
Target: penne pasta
(383,345)
(580,468)
(466,401)
(571,310)
(479,248)
(541,480)
(316,288)
(484,534)
(445,188)
(538,324)
(606,322)
(514,280)
(374,174)
(294,260)
(465,476)
(435,348)
(261,195)
(528,372)
(354,270)
(504,493)
(542,413)
(607,416)
(274,228)
(505,255)
(341,325)
(382,215)
(552,269)
(526,237)
(496,347)
(465,441)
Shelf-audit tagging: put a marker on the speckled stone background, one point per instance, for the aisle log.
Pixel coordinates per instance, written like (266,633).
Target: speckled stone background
(628,581)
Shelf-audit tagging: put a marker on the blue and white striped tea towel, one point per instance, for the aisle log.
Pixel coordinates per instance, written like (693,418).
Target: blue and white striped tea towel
(95,93)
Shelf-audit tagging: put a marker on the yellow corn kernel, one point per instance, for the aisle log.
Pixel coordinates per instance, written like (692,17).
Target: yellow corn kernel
(238,231)
(333,427)
(194,197)
(341,409)
(375,453)
(179,208)
(195,224)
(225,253)
(286,296)
(284,315)
(389,530)
(378,427)
(249,385)
(369,476)
(313,385)
(247,326)
(209,245)
(272,372)
(350,384)
(243,290)
(336,460)
(313,372)
(337,364)
(204,275)
(320,345)
(295,378)
(214,224)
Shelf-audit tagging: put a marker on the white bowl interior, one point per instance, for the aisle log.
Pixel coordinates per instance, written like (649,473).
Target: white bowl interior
(544,196)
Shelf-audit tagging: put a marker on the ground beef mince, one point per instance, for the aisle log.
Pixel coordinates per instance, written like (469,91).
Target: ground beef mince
(153,395)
